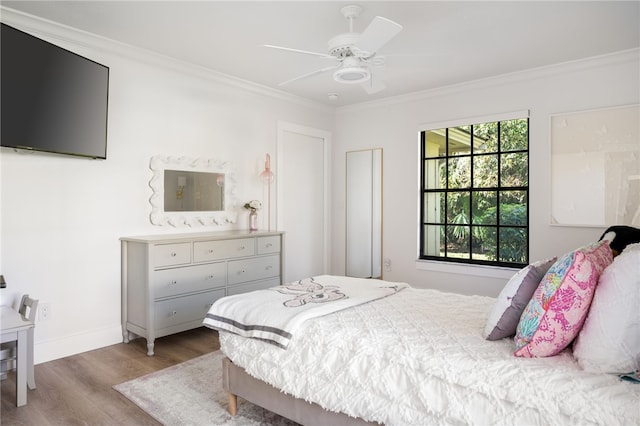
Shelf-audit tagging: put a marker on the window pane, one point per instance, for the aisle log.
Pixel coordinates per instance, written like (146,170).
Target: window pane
(433,240)
(513,208)
(513,245)
(433,203)
(435,143)
(514,135)
(459,140)
(485,137)
(483,246)
(485,208)
(475,193)
(458,208)
(514,169)
(459,172)
(485,171)
(458,238)
(434,173)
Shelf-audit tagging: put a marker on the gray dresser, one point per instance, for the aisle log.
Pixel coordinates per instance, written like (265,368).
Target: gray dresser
(170,281)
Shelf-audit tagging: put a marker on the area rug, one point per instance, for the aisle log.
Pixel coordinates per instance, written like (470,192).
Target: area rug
(191,393)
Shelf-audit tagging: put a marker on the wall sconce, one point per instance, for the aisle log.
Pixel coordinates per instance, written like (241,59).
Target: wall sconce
(267,177)
(3,283)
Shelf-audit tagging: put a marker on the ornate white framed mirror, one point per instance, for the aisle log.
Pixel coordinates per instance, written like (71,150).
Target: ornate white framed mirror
(192,192)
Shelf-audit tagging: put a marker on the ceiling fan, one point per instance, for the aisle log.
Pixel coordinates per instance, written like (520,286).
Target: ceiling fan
(354,53)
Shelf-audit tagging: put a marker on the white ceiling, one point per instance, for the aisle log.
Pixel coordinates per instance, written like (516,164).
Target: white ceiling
(442,43)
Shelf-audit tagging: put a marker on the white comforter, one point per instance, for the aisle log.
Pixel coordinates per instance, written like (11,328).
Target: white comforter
(418,357)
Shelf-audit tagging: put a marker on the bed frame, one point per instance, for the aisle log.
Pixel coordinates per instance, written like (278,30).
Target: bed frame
(238,383)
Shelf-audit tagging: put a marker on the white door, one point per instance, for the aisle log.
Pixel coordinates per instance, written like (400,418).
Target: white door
(302,183)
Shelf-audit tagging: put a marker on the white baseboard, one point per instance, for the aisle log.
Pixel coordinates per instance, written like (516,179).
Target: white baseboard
(76,343)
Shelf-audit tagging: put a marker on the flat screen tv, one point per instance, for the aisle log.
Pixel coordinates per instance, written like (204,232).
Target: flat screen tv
(53,100)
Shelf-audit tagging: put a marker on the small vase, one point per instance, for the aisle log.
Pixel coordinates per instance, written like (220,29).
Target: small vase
(253,221)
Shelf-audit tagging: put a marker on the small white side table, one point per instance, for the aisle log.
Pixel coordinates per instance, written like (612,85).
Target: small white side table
(16,328)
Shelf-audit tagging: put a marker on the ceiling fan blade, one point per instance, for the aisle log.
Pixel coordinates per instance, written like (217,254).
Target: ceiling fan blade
(320,71)
(376,83)
(377,34)
(306,52)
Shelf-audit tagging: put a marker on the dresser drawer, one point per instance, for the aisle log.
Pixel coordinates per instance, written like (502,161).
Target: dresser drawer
(268,245)
(170,254)
(175,281)
(172,312)
(206,251)
(254,285)
(256,268)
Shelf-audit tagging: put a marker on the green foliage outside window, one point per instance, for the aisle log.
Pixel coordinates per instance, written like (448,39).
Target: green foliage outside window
(475,206)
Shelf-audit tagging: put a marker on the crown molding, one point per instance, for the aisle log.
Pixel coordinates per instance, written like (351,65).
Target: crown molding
(54,31)
(624,56)
(69,36)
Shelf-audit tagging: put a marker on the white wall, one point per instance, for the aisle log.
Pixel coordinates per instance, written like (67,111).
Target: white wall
(62,216)
(393,125)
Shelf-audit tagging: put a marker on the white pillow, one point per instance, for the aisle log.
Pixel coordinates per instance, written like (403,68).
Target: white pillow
(513,298)
(609,341)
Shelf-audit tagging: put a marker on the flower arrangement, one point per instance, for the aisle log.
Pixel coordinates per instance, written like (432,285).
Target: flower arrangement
(253,205)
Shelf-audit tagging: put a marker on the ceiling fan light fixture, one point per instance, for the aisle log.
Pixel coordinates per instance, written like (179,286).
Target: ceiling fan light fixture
(352,75)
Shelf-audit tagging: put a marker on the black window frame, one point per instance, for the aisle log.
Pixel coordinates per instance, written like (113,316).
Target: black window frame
(471,190)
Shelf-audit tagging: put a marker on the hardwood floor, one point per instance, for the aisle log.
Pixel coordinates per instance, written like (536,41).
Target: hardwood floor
(77,390)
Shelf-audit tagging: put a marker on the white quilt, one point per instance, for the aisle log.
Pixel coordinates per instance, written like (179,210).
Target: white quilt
(275,314)
(418,357)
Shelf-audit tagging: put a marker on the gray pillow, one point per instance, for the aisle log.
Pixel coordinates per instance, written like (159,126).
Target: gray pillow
(514,297)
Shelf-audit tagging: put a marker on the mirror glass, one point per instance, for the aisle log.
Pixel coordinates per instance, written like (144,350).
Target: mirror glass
(364,213)
(192,192)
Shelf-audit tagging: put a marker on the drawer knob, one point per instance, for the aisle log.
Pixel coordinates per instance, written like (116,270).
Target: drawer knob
(174,313)
(269,245)
(211,276)
(210,251)
(241,248)
(173,254)
(268,267)
(174,282)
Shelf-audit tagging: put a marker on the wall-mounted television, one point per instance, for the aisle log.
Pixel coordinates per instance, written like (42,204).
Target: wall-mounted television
(53,100)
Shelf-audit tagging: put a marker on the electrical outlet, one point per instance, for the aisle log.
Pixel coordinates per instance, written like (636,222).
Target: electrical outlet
(44,311)
(387,264)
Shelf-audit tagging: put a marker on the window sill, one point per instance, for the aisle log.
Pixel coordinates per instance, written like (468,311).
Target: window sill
(464,269)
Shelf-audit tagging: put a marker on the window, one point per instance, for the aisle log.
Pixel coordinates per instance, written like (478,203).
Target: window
(475,193)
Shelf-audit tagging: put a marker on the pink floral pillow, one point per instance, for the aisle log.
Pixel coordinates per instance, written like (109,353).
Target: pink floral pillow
(560,304)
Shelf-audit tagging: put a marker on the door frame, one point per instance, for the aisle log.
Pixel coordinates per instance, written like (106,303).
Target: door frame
(287,127)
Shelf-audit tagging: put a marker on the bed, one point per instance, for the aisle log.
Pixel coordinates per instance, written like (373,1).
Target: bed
(416,357)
